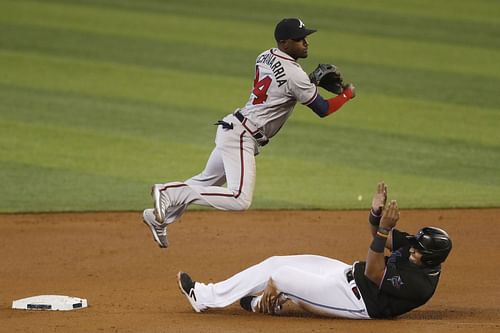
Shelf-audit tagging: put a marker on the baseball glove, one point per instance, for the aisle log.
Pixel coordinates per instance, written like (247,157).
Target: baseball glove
(327,76)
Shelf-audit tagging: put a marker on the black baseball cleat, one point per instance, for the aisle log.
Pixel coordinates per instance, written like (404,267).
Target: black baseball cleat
(246,303)
(186,285)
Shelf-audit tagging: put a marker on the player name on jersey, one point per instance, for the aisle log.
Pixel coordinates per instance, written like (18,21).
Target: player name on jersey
(276,67)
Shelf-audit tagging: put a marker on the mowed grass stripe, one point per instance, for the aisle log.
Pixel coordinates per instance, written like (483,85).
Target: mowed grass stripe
(34,188)
(413,83)
(480,10)
(404,25)
(122,81)
(146,120)
(97,153)
(375,51)
(484,11)
(417,154)
(375,21)
(168,26)
(232,60)
(336,146)
(155,120)
(340,186)
(172,27)
(415,117)
(128,50)
(438,158)
(452,87)
(169,29)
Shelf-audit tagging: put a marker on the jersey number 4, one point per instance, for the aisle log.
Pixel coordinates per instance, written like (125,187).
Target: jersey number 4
(260,87)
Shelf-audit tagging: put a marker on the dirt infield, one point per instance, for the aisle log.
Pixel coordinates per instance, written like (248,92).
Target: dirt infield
(110,259)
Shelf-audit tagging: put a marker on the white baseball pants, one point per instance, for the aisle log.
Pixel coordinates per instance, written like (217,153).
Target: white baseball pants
(317,284)
(232,161)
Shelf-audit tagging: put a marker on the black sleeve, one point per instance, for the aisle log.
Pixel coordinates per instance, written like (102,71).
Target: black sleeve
(319,105)
(399,239)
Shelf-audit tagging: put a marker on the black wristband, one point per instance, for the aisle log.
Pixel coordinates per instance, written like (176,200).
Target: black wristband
(374,219)
(384,230)
(378,244)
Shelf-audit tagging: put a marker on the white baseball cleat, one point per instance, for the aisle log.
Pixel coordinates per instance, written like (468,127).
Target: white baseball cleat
(186,285)
(160,201)
(159,230)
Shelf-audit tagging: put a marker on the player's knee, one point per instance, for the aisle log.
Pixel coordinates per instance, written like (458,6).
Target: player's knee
(243,203)
(246,204)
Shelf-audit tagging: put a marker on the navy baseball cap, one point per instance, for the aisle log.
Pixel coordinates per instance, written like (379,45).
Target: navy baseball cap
(291,28)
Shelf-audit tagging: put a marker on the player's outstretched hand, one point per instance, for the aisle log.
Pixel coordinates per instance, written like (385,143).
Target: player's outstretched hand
(349,90)
(379,198)
(390,216)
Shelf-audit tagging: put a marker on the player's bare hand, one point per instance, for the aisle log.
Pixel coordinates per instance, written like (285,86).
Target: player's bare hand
(349,90)
(379,198)
(390,216)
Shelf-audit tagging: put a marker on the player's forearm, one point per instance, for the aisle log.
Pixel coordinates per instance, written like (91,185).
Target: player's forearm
(336,102)
(375,266)
(323,107)
(374,220)
(375,262)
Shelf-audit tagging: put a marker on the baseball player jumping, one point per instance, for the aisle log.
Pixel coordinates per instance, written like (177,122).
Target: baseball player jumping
(380,287)
(279,83)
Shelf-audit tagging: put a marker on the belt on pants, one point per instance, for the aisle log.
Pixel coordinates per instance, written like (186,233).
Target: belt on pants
(350,277)
(257,134)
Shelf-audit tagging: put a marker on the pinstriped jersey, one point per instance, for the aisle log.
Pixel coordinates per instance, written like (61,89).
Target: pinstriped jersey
(280,82)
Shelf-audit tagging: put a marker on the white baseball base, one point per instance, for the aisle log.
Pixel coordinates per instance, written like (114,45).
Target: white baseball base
(50,302)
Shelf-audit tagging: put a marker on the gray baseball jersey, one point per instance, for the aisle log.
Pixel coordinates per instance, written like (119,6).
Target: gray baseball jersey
(280,82)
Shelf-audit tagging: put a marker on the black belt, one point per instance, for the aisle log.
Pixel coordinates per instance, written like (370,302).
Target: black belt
(257,135)
(240,117)
(350,277)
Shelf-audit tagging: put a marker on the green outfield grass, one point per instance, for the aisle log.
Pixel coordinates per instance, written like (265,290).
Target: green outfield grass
(101,98)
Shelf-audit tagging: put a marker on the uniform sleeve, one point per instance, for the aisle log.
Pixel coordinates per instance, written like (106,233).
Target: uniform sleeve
(399,239)
(301,87)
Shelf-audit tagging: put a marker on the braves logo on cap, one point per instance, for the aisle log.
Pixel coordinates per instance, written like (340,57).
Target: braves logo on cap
(291,28)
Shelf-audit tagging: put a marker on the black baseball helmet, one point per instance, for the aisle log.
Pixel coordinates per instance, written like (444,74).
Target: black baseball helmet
(433,243)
